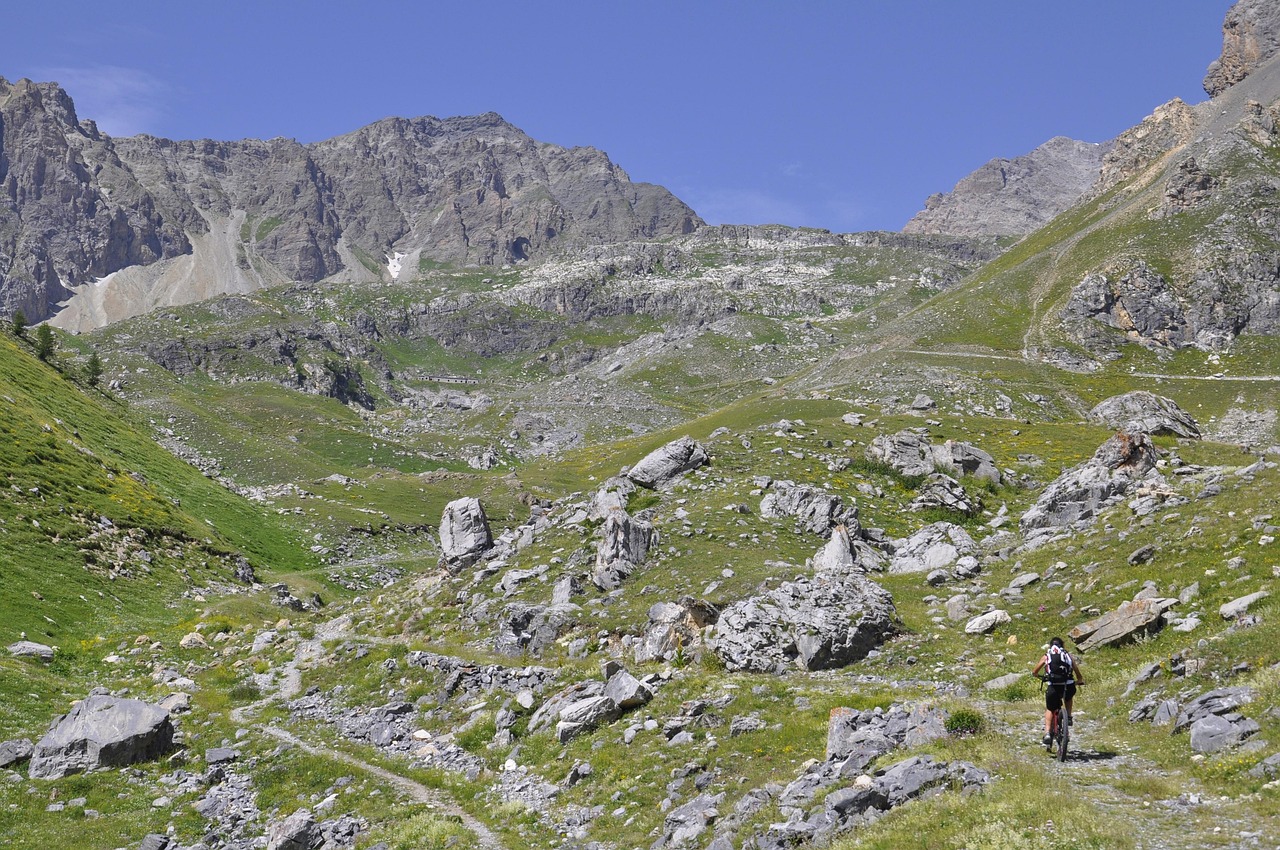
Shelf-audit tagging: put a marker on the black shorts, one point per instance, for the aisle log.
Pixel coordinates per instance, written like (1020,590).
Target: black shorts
(1055,694)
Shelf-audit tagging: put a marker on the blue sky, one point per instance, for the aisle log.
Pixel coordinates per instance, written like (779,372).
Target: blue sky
(843,115)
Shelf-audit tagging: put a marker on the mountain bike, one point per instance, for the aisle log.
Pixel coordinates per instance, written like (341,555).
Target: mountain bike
(1059,725)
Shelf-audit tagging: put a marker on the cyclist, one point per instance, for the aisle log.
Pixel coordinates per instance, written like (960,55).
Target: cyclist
(1062,672)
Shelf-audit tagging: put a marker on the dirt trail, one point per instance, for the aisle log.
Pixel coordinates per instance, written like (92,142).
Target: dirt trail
(289,683)
(1099,769)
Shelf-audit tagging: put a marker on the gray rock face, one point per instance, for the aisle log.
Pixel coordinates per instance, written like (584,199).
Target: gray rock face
(30,649)
(911,453)
(1140,303)
(298,831)
(1230,297)
(908,452)
(1250,36)
(626,691)
(933,547)
(464,532)
(532,628)
(1213,733)
(822,623)
(1237,607)
(673,628)
(1075,497)
(1014,196)
(74,213)
(612,496)
(686,823)
(943,491)
(13,752)
(624,544)
(814,510)
(1221,701)
(985,623)
(102,731)
(86,205)
(1125,624)
(1142,411)
(672,460)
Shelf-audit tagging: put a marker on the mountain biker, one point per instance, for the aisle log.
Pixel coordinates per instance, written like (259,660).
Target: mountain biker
(1062,674)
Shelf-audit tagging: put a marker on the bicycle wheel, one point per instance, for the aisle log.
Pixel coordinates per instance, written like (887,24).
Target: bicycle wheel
(1064,733)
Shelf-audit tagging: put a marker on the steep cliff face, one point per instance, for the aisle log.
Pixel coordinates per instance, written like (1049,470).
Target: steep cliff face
(76,206)
(1010,197)
(1250,36)
(70,212)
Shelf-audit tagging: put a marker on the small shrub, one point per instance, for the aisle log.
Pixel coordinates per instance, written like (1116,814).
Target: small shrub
(244,692)
(965,721)
(429,829)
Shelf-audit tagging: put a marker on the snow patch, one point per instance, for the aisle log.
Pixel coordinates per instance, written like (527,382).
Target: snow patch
(394,266)
(103,281)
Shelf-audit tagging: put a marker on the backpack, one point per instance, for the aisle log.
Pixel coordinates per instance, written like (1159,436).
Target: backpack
(1059,667)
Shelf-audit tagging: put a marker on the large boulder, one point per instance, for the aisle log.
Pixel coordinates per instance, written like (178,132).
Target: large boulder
(672,460)
(965,459)
(816,624)
(1125,624)
(814,510)
(1075,497)
(532,628)
(911,453)
(31,649)
(299,831)
(464,532)
(612,496)
(102,731)
(674,628)
(943,491)
(1147,413)
(1217,732)
(624,544)
(933,547)
(906,451)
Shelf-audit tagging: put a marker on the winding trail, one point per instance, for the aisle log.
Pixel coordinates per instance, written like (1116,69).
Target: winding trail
(290,683)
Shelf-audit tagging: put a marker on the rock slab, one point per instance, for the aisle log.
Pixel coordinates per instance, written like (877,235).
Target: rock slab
(102,731)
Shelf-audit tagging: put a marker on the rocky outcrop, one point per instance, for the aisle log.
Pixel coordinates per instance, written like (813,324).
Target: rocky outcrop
(830,620)
(1140,303)
(1135,150)
(943,491)
(910,452)
(102,731)
(936,546)
(464,532)
(1250,36)
(1074,498)
(1147,413)
(814,510)
(668,463)
(72,213)
(1014,196)
(624,544)
(674,628)
(1231,296)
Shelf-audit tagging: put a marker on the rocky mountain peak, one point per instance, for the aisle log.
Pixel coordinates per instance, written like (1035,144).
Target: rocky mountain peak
(1250,36)
(188,220)
(1014,196)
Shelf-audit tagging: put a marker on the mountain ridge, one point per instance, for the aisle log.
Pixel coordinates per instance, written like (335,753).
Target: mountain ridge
(189,219)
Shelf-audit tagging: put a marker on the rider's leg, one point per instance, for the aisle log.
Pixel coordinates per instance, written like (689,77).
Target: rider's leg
(1068,704)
